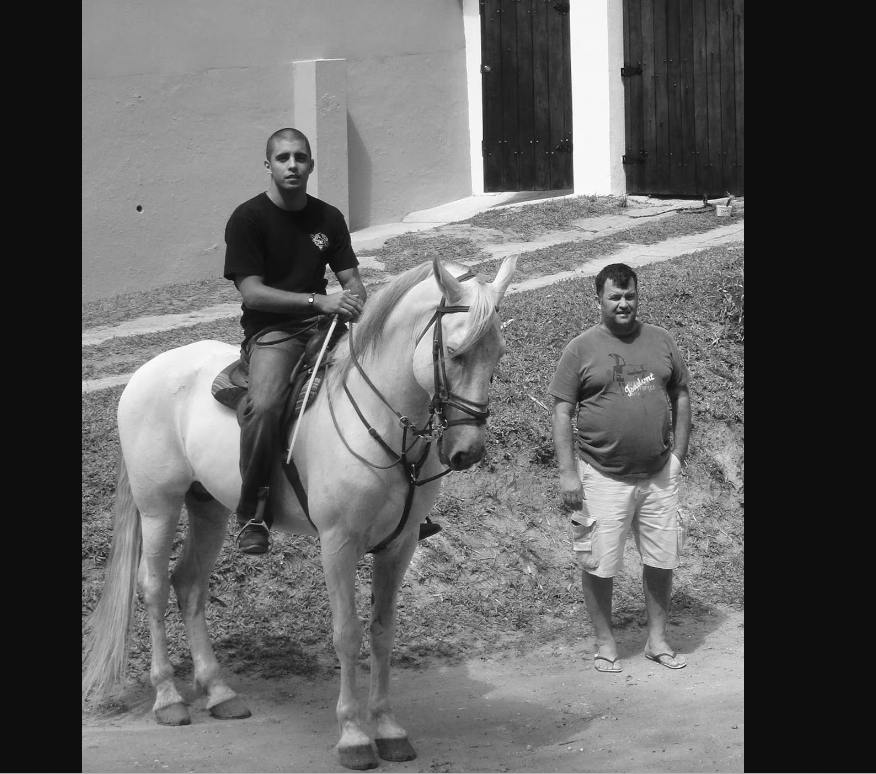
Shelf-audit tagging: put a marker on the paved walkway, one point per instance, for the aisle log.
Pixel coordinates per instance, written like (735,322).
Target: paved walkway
(446,217)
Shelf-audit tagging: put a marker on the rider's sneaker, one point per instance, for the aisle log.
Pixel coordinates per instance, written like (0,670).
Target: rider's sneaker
(428,528)
(254,538)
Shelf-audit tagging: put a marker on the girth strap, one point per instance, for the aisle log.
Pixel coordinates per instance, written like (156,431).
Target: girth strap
(295,479)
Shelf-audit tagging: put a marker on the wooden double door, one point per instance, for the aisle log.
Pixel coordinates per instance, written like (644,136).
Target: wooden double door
(527,97)
(683,78)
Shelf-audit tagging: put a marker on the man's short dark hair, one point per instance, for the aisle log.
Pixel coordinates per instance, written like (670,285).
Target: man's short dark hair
(619,273)
(286,134)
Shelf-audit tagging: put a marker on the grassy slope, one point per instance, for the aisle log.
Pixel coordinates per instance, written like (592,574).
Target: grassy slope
(500,574)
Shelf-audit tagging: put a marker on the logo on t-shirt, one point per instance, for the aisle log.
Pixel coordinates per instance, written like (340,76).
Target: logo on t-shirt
(320,240)
(632,378)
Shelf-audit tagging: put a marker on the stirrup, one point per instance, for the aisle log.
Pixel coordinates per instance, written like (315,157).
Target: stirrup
(428,528)
(251,527)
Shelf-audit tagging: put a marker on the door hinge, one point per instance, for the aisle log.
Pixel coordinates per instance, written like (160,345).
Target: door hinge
(561,8)
(628,70)
(565,146)
(631,159)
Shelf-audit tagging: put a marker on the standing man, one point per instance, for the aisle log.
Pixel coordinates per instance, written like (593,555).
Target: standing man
(629,383)
(278,246)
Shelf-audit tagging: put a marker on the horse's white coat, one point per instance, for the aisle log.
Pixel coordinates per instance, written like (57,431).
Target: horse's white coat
(173,433)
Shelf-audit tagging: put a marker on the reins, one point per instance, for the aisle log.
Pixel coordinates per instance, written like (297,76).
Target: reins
(442,397)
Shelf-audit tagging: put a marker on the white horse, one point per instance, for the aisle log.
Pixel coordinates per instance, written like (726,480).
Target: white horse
(412,374)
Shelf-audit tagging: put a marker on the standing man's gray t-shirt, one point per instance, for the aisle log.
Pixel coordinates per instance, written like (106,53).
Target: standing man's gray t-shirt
(624,418)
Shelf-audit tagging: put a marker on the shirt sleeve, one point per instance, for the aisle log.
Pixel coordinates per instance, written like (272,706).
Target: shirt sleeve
(341,255)
(566,381)
(680,373)
(244,248)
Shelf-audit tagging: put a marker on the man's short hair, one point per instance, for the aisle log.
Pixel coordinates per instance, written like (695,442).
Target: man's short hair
(286,134)
(619,273)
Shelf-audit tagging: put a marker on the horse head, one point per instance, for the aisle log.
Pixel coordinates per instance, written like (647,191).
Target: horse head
(455,363)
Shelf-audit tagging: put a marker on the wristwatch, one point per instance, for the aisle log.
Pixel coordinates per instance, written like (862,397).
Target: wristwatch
(310,300)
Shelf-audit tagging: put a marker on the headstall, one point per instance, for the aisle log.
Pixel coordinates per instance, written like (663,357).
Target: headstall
(434,427)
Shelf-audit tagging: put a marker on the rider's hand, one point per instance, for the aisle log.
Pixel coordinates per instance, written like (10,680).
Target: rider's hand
(346,305)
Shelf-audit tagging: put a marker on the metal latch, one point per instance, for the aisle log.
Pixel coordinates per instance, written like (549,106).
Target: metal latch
(640,159)
(628,70)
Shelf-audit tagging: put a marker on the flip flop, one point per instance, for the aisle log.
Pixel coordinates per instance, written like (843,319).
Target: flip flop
(657,658)
(611,661)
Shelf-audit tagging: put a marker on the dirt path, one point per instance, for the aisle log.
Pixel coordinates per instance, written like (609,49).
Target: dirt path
(546,711)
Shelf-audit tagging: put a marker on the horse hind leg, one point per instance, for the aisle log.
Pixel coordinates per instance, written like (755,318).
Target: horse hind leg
(160,517)
(388,571)
(208,521)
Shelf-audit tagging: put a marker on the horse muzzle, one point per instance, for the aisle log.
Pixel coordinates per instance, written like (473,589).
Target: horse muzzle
(461,453)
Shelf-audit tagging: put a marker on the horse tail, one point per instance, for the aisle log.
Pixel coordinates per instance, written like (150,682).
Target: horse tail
(107,641)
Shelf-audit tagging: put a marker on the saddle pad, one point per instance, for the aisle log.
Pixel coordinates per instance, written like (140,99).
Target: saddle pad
(232,382)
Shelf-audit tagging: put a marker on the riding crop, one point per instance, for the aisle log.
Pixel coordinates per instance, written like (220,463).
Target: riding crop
(325,343)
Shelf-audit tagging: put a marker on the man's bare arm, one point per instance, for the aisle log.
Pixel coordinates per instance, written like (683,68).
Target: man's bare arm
(257,295)
(352,282)
(679,400)
(564,450)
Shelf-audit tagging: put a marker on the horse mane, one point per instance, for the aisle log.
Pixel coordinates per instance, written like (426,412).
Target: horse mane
(368,332)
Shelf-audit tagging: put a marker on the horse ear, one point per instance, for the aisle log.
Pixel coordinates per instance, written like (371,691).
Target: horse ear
(449,284)
(503,278)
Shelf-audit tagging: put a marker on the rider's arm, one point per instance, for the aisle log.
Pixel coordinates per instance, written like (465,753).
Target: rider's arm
(352,282)
(257,295)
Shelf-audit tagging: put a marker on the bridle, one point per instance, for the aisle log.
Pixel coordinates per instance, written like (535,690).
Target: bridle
(435,425)
(443,397)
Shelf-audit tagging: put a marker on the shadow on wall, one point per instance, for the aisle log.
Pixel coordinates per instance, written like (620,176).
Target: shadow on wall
(359,179)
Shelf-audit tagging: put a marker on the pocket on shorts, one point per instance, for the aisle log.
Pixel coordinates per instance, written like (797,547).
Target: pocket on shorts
(585,547)
(681,529)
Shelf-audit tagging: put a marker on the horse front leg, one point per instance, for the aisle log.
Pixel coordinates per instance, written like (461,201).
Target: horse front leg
(170,708)
(208,521)
(355,748)
(388,570)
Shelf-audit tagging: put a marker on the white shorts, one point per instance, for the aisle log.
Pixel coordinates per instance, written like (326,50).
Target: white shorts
(649,505)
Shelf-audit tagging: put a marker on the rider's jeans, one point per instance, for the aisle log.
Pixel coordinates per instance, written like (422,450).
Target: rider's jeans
(270,365)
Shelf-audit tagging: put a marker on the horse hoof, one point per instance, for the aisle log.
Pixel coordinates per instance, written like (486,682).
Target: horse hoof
(230,709)
(173,715)
(359,757)
(395,749)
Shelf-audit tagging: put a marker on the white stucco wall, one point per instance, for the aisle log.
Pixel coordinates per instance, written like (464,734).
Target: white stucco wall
(597,43)
(178,99)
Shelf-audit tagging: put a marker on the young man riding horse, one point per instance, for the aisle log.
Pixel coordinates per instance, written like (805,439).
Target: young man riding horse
(278,246)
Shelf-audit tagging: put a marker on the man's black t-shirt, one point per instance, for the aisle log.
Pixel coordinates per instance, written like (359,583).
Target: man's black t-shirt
(289,249)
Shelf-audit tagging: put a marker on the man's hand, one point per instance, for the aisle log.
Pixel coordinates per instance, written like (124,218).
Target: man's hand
(571,490)
(564,448)
(345,304)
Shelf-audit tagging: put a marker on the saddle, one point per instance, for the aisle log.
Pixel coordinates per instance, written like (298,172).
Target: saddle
(232,382)
(231,385)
